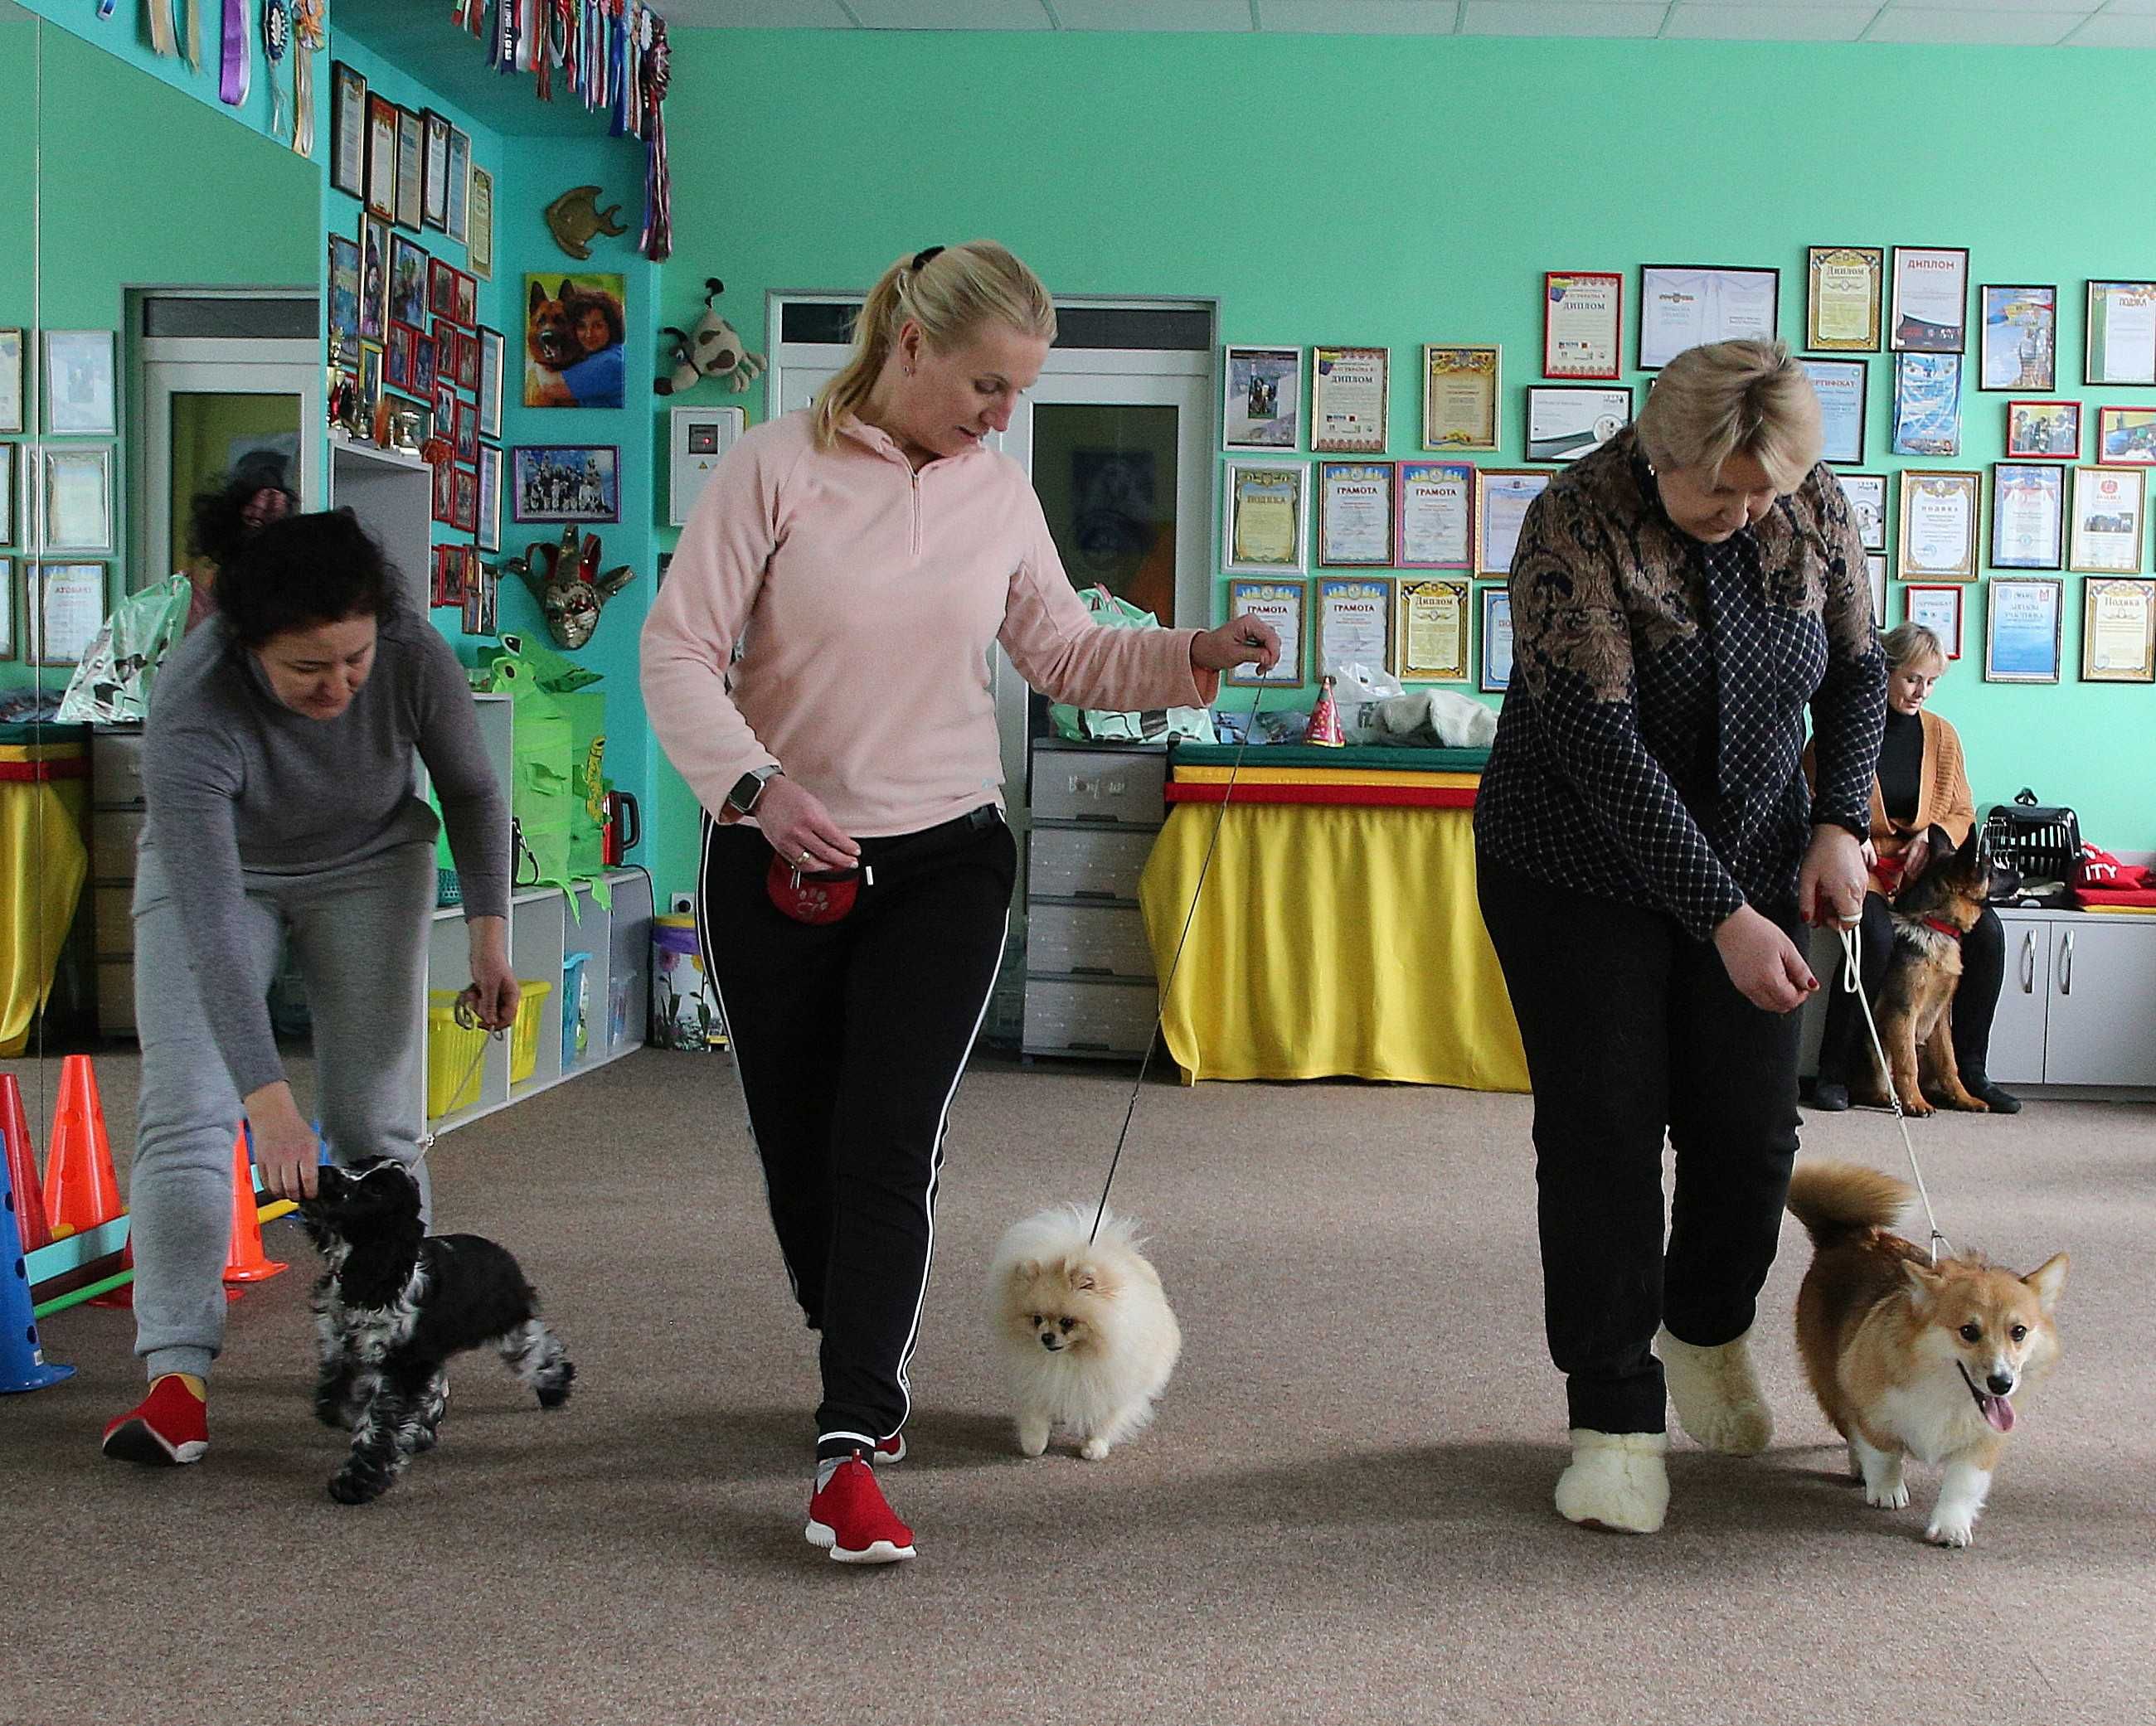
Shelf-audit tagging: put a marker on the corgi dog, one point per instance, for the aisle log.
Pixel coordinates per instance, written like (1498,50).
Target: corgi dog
(1910,1358)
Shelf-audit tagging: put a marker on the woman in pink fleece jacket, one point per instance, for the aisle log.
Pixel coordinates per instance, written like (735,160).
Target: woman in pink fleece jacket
(866,555)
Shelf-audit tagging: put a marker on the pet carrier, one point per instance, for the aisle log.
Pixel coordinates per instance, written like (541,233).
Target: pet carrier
(2042,844)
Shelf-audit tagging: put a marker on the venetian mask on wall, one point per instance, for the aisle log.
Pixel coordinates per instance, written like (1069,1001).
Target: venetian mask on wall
(566,582)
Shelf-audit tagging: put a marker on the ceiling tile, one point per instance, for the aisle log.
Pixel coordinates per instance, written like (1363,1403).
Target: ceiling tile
(756,15)
(2079,8)
(1542,18)
(1152,14)
(1360,18)
(951,14)
(1965,28)
(1768,23)
(2124,30)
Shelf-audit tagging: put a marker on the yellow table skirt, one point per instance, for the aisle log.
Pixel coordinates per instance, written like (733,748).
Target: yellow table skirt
(1329,940)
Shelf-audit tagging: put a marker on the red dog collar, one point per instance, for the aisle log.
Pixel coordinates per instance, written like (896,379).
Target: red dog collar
(1946,929)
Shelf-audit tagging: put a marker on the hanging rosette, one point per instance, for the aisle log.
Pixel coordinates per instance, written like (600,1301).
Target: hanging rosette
(658,238)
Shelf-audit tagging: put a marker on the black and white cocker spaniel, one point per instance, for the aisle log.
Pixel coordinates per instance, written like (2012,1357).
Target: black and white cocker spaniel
(394,1303)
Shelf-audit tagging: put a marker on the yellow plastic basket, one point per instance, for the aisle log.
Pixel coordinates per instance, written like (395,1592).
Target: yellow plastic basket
(524,1035)
(454,1070)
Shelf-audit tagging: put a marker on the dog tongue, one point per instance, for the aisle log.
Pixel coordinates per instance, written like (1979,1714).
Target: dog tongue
(2000,1412)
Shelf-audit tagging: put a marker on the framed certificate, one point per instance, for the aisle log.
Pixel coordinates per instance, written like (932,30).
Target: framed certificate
(1938,525)
(1583,311)
(79,392)
(1682,305)
(459,189)
(490,353)
(1282,605)
(1496,640)
(2107,522)
(1263,405)
(7,607)
(1867,502)
(2018,340)
(1349,388)
(1264,530)
(1354,624)
(1502,498)
(347,130)
(1842,297)
(2122,333)
(478,242)
(8,494)
(2022,633)
(1938,609)
(2119,631)
(1930,310)
(1875,567)
(11,380)
(1460,396)
(1927,404)
(2126,436)
(435,192)
(2027,515)
(1355,514)
(382,158)
(1839,386)
(489,475)
(75,499)
(1431,629)
(64,608)
(2044,431)
(1436,502)
(1567,421)
(411,169)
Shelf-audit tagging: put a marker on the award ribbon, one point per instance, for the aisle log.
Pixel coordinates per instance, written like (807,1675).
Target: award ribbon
(164,38)
(237,66)
(276,37)
(658,238)
(309,38)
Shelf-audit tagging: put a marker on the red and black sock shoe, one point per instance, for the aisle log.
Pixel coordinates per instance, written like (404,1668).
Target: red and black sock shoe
(171,1424)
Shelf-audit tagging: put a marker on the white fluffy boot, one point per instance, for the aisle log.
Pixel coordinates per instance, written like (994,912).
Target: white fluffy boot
(1617,1481)
(1717,1393)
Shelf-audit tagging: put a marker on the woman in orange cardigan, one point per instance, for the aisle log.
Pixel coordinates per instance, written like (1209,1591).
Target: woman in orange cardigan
(1922,783)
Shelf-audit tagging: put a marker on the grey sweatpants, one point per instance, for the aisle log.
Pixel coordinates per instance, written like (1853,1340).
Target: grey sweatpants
(359,932)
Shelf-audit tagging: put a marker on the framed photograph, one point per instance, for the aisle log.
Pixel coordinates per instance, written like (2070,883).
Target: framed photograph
(434,195)
(1502,498)
(2044,431)
(1436,516)
(445,406)
(408,281)
(2022,629)
(573,334)
(79,392)
(1938,609)
(8,494)
(371,382)
(1349,388)
(63,608)
(1930,310)
(1355,514)
(1939,513)
(1496,640)
(442,288)
(1567,421)
(7,607)
(475,596)
(1430,627)
(397,356)
(1262,405)
(458,225)
(2027,515)
(2108,503)
(1264,530)
(479,236)
(2126,436)
(382,158)
(1927,404)
(426,366)
(2121,347)
(1842,293)
(411,170)
(74,499)
(488,477)
(442,474)
(466,364)
(1839,386)
(347,130)
(464,516)
(490,599)
(466,418)
(697,437)
(344,297)
(446,587)
(2119,631)
(491,362)
(1460,392)
(11,380)
(2018,340)
(374,255)
(1867,501)
(1281,604)
(1682,305)
(565,482)
(1583,313)
(467,298)
(1354,624)
(1875,567)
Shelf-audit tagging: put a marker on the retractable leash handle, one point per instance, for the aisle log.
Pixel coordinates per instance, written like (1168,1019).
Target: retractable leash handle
(1852,979)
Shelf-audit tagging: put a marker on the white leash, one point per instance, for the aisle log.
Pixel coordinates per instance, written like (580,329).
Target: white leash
(1852,979)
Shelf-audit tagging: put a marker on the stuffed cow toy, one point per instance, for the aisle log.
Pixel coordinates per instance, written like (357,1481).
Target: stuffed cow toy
(713,349)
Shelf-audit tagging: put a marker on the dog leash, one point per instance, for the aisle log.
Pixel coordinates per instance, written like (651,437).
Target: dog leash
(466,1015)
(1852,979)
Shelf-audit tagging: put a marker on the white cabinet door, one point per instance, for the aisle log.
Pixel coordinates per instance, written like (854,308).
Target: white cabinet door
(2100,1029)
(2017,1032)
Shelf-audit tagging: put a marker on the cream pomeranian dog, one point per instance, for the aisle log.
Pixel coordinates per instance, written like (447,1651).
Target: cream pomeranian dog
(1085,1332)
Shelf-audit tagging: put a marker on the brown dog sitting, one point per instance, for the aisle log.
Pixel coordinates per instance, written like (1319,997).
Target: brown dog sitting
(1915,1009)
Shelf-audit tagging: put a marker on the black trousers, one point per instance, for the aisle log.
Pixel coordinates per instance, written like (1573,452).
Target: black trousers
(1632,1031)
(849,1038)
(1844,1045)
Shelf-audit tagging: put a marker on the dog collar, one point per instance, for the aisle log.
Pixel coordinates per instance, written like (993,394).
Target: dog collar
(1945,928)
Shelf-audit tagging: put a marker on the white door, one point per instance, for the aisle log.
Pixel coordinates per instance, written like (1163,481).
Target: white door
(2017,1030)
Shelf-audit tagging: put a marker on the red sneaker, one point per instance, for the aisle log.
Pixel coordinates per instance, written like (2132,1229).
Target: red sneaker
(169,1425)
(889,1450)
(850,1517)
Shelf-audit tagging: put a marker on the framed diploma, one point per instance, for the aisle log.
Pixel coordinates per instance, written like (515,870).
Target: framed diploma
(1460,396)
(1436,520)
(2122,333)
(1265,509)
(479,224)
(2022,633)
(1682,305)
(347,130)
(1263,404)
(459,191)
(2119,631)
(1875,567)
(1867,502)
(1502,498)
(1282,605)
(1927,404)
(2018,340)
(64,608)
(1938,525)
(1583,311)
(1930,310)
(8,494)
(2107,522)
(80,390)
(11,380)
(411,169)
(1938,609)
(2027,515)
(1566,421)
(1349,388)
(1354,624)
(434,190)
(75,499)
(2044,431)
(1839,386)
(1355,514)
(1842,297)
(1431,629)
(2126,436)
(7,607)
(1496,640)
(382,158)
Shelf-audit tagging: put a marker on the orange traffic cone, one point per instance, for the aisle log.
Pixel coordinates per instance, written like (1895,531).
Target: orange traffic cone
(1324,727)
(81,1191)
(244,1261)
(35,1227)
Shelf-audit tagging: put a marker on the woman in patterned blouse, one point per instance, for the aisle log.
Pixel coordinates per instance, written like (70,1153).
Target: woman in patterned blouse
(1647,848)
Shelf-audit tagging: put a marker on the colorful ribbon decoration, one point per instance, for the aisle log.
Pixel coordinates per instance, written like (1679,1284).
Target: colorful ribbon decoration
(657,241)
(276,37)
(194,34)
(236,68)
(164,38)
(310,36)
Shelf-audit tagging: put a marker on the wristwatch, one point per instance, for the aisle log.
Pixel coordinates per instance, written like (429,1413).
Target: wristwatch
(748,790)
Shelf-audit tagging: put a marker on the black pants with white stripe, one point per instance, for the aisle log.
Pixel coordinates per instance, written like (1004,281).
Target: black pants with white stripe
(849,1038)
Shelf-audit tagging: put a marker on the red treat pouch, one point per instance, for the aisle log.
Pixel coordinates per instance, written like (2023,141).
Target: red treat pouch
(816,897)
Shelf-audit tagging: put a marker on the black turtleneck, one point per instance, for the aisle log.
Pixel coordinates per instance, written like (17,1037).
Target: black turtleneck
(1901,764)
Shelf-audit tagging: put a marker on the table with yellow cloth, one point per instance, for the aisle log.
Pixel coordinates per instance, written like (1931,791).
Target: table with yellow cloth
(44,865)
(1337,933)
